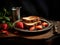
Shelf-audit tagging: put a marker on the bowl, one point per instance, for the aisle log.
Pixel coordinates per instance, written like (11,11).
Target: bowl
(50,25)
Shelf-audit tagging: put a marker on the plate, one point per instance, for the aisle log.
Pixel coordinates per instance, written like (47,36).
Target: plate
(50,25)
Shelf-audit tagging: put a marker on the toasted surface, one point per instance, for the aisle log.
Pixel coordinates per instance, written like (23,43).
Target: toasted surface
(30,18)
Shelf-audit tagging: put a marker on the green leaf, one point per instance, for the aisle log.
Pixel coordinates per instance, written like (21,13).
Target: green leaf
(10,24)
(4,9)
(6,18)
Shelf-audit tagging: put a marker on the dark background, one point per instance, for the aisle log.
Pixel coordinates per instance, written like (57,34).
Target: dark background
(46,8)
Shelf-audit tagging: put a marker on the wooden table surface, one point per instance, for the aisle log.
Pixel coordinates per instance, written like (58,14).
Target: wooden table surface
(11,35)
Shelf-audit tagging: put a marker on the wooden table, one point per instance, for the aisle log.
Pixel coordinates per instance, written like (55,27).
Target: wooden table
(31,39)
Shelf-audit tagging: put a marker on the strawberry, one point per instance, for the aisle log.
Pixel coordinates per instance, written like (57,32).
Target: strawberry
(39,27)
(20,25)
(4,26)
(45,24)
(32,28)
(5,32)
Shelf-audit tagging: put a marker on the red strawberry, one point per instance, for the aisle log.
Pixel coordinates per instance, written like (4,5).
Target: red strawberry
(4,26)
(32,28)
(45,24)
(20,25)
(5,32)
(39,27)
